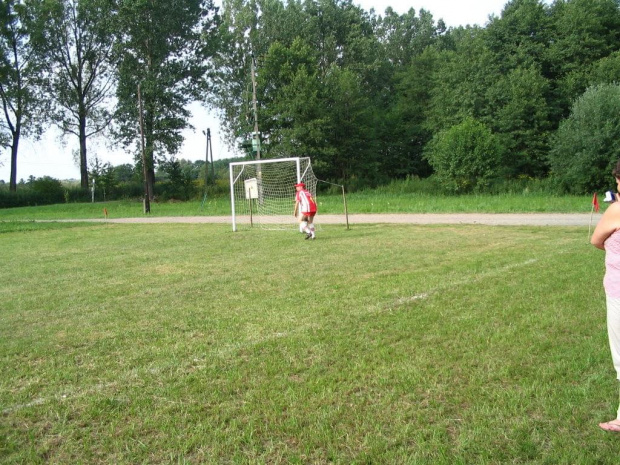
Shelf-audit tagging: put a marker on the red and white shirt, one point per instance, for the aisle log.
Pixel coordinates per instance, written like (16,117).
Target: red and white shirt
(306,202)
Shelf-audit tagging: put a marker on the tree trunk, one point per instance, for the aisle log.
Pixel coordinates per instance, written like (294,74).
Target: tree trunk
(14,146)
(83,158)
(150,169)
(150,157)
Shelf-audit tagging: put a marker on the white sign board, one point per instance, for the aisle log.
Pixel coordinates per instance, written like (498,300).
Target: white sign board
(251,188)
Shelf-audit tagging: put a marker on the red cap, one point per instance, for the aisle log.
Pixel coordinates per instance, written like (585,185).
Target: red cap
(301,184)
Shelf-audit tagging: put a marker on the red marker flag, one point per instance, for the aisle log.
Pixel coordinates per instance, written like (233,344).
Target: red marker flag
(595,204)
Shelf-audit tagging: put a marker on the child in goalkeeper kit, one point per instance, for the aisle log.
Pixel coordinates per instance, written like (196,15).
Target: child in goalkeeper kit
(306,207)
(606,236)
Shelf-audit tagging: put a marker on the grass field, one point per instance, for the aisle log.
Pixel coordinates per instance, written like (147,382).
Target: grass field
(359,202)
(381,344)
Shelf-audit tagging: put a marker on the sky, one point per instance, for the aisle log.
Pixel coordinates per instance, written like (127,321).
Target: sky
(53,155)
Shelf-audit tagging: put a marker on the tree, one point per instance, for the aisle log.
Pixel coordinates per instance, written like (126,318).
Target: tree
(292,113)
(606,70)
(164,47)
(76,42)
(406,36)
(402,131)
(47,190)
(125,173)
(401,91)
(466,156)
(350,129)
(103,177)
(585,148)
(297,45)
(584,32)
(179,174)
(520,37)
(461,79)
(232,80)
(519,115)
(20,73)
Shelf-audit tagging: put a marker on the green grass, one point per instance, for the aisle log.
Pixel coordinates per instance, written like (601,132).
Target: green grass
(424,203)
(360,202)
(400,344)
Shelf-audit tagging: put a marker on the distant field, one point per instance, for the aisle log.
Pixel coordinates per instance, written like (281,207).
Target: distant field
(364,202)
(185,343)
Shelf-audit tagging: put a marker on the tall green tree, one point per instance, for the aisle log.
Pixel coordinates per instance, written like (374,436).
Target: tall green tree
(585,148)
(351,128)
(20,79)
(518,99)
(606,70)
(401,131)
(296,45)
(462,76)
(164,47)
(585,31)
(76,39)
(521,36)
(293,114)
(232,82)
(406,36)
(400,89)
(519,115)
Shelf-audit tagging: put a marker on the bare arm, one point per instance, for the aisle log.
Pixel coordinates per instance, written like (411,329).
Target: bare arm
(296,208)
(609,223)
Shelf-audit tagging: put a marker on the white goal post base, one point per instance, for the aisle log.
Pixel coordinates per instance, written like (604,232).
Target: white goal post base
(262,192)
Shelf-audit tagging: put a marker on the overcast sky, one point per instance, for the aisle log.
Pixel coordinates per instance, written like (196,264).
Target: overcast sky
(49,158)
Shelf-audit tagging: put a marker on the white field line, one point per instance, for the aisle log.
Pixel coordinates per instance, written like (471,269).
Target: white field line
(463,282)
(69,394)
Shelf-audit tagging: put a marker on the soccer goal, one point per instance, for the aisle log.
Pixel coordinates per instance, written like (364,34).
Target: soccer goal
(262,192)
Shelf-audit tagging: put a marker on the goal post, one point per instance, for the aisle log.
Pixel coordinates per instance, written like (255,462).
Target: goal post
(262,192)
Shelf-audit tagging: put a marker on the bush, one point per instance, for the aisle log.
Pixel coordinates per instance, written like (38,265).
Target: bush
(524,185)
(76,194)
(412,185)
(48,190)
(585,148)
(465,157)
(39,191)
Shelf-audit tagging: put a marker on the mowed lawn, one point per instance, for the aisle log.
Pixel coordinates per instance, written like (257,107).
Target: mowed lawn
(178,343)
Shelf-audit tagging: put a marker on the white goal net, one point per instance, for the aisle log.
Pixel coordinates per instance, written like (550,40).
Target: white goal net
(262,192)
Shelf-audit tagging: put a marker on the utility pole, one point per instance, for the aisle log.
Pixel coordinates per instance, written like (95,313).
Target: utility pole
(208,141)
(211,152)
(256,139)
(208,149)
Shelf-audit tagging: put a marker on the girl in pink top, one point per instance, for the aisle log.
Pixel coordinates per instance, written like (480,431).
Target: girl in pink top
(606,237)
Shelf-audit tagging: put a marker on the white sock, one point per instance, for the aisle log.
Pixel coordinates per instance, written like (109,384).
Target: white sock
(311,226)
(302,226)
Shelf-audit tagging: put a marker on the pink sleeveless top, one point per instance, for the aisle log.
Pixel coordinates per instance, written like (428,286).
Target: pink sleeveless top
(611,282)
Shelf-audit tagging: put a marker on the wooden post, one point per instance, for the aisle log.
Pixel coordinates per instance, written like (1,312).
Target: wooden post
(251,219)
(346,212)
